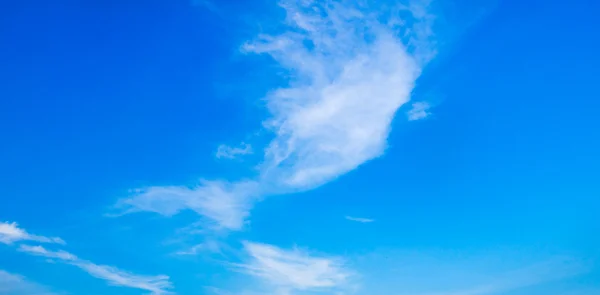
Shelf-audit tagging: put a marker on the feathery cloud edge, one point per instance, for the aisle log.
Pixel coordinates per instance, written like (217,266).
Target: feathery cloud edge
(353,66)
(156,285)
(11,233)
(287,270)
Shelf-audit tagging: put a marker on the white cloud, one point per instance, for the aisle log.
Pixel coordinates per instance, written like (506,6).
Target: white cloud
(360,219)
(41,251)
(10,233)
(352,68)
(420,110)
(336,114)
(12,284)
(156,285)
(225,151)
(222,204)
(289,270)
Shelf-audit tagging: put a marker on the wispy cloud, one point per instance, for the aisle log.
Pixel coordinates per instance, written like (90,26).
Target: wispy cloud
(352,67)
(41,251)
(349,82)
(12,284)
(225,151)
(222,204)
(156,285)
(289,270)
(10,233)
(420,110)
(360,219)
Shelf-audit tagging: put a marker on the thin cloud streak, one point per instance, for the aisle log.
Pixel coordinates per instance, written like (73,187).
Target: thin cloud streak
(156,285)
(11,233)
(353,67)
(227,152)
(360,219)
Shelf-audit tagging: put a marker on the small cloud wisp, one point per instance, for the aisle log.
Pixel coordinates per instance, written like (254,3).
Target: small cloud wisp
(11,233)
(360,219)
(156,285)
(228,152)
(420,110)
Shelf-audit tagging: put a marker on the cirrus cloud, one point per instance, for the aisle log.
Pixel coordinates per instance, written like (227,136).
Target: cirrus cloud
(228,152)
(293,270)
(352,66)
(10,233)
(156,285)
(360,219)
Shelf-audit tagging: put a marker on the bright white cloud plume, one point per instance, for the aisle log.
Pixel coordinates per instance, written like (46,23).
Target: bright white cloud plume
(12,284)
(420,110)
(289,270)
(10,233)
(360,219)
(352,67)
(227,152)
(156,285)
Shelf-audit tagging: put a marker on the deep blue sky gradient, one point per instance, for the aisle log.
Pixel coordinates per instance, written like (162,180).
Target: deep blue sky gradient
(97,97)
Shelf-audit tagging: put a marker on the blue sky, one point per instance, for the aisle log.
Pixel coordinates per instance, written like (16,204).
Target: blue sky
(444,147)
